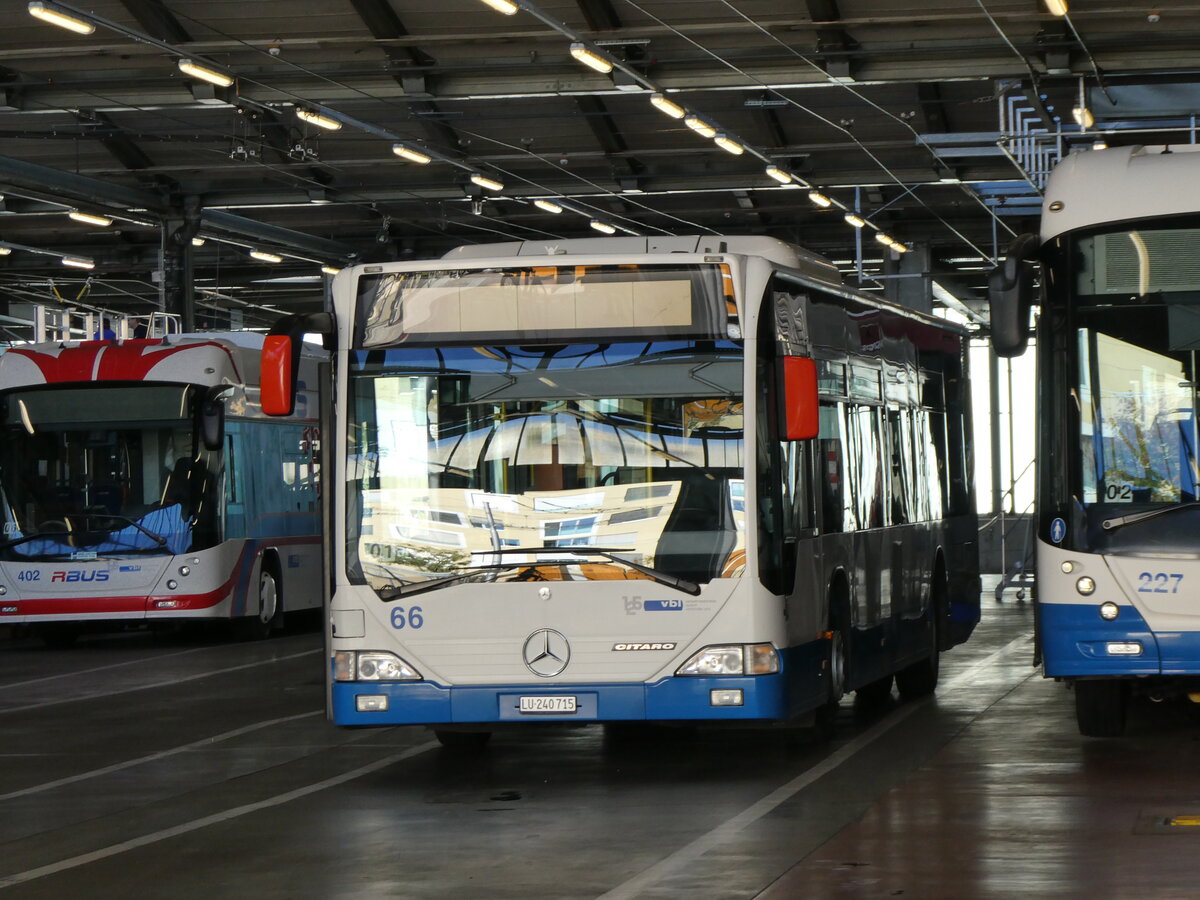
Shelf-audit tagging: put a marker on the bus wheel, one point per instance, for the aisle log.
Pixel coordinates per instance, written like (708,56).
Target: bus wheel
(462,741)
(920,679)
(1100,707)
(258,627)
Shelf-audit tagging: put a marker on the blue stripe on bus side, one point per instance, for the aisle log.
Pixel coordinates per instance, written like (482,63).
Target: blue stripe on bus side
(765,698)
(1075,641)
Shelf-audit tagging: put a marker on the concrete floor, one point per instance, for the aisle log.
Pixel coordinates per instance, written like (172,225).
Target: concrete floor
(199,769)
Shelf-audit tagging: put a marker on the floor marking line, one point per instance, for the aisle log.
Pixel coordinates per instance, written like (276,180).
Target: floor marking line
(158,684)
(131,662)
(727,829)
(214,819)
(161,754)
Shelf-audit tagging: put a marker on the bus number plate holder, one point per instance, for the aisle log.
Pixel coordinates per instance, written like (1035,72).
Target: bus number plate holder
(543,705)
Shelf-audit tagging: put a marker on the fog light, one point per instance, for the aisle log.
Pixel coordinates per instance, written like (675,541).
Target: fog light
(3,590)
(1124,648)
(172,584)
(185,571)
(1067,567)
(1109,610)
(1085,586)
(371,703)
(725,698)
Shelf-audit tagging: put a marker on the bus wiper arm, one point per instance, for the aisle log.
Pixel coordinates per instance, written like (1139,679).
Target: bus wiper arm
(31,537)
(682,584)
(1110,524)
(419,587)
(154,536)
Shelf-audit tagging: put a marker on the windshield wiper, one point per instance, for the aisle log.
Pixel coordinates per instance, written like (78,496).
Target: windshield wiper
(33,537)
(681,584)
(418,587)
(154,536)
(1110,524)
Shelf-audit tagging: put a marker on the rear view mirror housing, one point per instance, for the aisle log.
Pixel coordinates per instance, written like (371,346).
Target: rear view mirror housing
(1010,296)
(801,410)
(279,364)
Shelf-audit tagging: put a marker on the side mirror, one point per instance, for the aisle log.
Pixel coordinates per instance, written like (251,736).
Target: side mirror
(801,410)
(212,417)
(279,363)
(1010,297)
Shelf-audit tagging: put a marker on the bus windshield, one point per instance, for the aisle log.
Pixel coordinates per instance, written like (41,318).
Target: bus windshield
(460,457)
(1137,318)
(104,470)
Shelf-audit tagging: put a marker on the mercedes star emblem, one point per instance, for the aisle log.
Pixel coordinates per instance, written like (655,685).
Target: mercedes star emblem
(546,653)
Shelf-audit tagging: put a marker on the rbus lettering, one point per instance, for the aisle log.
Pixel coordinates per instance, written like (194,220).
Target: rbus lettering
(78,575)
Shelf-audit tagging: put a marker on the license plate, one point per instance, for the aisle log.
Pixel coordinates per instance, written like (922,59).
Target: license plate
(546,704)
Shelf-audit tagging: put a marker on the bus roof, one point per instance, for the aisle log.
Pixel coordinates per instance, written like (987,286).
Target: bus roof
(204,358)
(776,251)
(1095,187)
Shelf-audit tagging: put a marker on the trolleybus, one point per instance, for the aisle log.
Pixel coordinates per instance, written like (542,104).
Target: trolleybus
(631,479)
(1118,487)
(140,482)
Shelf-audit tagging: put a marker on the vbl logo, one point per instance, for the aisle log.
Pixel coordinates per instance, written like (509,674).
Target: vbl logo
(78,575)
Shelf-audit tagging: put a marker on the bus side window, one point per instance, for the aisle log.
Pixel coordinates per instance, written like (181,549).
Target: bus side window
(831,468)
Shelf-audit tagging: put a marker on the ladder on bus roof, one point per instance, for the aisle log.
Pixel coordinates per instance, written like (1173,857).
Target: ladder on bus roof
(72,323)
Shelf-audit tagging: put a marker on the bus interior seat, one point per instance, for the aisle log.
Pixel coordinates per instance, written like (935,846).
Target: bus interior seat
(700,532)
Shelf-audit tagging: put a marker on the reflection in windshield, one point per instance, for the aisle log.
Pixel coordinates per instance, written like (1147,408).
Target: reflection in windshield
(1138,423)
(103,470)
(462,452)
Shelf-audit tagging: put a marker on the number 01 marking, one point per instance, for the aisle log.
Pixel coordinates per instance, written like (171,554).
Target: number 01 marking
(414,618)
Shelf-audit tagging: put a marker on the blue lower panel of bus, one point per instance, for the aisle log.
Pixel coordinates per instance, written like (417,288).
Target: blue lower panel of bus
(1076,641)
(764,698)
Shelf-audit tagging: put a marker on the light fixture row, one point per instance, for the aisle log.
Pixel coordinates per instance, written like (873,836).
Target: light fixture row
(554,207)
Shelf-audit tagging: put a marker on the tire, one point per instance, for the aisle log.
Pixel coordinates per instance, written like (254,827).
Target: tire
(1100,707)
(270,609)
(462,741)
(920,679)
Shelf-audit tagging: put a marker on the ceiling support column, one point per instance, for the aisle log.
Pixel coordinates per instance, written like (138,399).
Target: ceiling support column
(180,225)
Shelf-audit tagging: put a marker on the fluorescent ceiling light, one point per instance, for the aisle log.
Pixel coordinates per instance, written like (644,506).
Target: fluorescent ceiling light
(315,118)
(78,262)
(266,257)
(779,174)
(48,12)
(415,156)
(503,6)
(205,73)
(4,251)
(700,126)
(898,247)
(548,206)
(90,219)
(884,239)
(483,181)
(1083,117)
(819,199)
(852,219)
(602,226)
(590,58)
(670,107)
(1057,7)
(729,145)
(330,270)
(197,242)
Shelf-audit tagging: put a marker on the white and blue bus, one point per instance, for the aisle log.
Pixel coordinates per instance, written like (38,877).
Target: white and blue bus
(140,482)
(637,480)
(1118,486)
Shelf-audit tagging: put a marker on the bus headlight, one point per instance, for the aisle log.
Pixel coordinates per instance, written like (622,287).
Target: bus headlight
(736,659)
(371,665)
(1109,610)
(1086,586)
